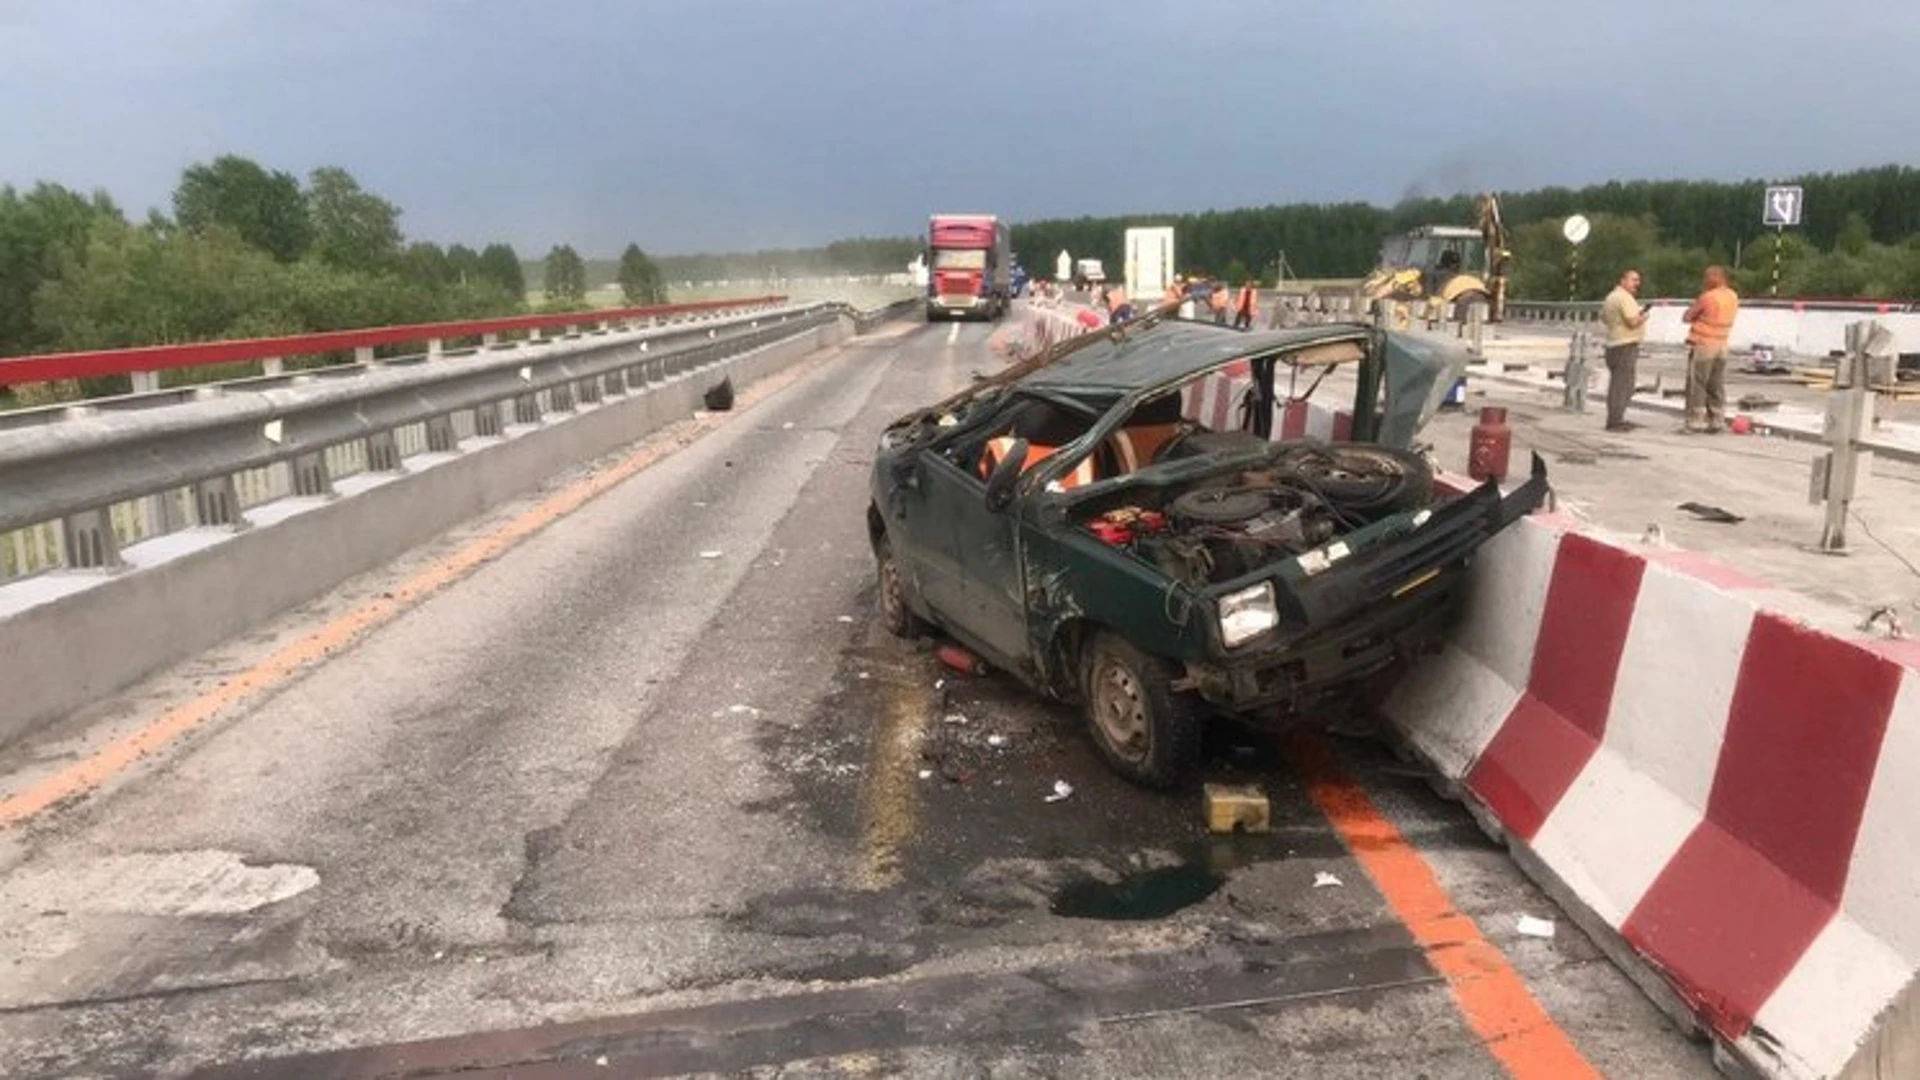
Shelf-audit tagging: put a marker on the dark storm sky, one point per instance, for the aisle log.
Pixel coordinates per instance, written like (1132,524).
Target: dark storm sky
(730,124)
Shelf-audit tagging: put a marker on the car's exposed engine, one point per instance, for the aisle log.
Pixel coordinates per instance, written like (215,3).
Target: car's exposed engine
(1224,527)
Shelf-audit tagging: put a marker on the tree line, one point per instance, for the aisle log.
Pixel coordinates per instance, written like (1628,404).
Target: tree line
(859,256)
(1860,236)
(246,251)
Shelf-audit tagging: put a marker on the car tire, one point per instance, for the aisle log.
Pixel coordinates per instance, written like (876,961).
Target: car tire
(1363,480)
(1148,732)
(896,613)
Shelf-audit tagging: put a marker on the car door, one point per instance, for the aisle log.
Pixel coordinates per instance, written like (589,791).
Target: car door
(927,497)
(994,582)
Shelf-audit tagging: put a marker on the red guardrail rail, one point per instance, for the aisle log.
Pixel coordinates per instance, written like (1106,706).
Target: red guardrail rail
(16,371)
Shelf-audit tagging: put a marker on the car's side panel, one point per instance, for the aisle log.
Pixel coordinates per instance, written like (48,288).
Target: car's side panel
(928,498)
(995,592)
(1071,575)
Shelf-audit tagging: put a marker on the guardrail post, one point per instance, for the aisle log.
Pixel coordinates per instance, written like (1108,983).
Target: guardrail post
(1574,395)
(215,502)
(363,355)
(1836,474)
(560,397)
(488,341)
(90,540)
(486,420)
(311,476)
(146,382)
(440,436)
(383,452)
(435,348)
(273,365)
(526,409)
(1476,328)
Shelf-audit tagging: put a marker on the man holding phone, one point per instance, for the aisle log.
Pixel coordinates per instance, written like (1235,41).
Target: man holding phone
(1626,323)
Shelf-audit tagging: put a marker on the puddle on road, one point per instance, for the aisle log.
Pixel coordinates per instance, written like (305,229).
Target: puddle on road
(1158,892)
(1144,894)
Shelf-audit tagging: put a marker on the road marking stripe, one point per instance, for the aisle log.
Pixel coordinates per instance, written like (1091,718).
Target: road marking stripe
(1491,996)
(953,333)
(103,765)
(889,803)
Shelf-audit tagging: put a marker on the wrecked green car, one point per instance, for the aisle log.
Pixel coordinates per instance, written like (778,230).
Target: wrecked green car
(1086,521)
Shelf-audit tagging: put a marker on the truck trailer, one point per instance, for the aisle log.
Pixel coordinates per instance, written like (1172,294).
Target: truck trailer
(970,266)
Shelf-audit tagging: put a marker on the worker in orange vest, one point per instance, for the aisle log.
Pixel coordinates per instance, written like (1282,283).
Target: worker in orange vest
(1710,323)
(1217,302)
(1246,305)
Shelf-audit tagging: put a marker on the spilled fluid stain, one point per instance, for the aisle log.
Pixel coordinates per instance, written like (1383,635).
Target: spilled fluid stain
(1144,894)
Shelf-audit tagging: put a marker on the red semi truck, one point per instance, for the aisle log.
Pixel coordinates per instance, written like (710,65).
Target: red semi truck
(969,266)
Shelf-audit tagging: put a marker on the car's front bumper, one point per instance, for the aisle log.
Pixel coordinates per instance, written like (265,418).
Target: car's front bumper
(1383,606)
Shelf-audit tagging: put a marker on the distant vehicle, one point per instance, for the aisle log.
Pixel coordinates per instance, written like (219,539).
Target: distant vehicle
(1088,273)
(1457,265)
(970,266)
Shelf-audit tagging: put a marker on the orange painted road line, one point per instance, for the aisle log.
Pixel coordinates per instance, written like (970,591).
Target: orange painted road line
(89,773)
(1491,996)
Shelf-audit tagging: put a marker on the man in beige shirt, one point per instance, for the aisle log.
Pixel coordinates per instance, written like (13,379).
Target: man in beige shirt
(1626,323)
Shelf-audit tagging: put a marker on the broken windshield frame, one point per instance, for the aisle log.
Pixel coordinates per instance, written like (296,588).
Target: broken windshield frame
(1264,366)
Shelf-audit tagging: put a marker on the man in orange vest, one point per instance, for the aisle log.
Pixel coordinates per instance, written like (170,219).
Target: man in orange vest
(1711,322)
(1246,305)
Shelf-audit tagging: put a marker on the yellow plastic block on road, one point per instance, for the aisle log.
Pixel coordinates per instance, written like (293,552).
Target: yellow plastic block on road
(1235,808)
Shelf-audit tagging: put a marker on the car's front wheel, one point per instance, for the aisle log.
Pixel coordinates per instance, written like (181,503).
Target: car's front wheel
(895,613)
(1147,731)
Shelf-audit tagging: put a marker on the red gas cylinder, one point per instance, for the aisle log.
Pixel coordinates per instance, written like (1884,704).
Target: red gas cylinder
(1489,446)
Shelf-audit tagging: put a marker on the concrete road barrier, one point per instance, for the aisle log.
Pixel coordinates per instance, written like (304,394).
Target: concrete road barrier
(1720,793)
(73,638)
(1216,401)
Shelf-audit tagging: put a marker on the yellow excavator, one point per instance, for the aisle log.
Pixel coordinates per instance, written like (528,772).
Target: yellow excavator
(1460,266)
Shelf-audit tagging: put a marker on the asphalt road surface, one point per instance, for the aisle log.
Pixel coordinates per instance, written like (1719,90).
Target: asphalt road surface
(648,792)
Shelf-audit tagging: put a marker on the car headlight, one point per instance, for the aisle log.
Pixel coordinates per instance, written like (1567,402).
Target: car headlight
(1247,614)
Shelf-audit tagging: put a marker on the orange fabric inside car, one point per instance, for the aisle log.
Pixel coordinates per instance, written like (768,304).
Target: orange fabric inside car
(1135,446)
(1036,453)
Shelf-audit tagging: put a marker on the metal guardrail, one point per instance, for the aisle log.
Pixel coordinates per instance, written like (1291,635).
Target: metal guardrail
(1584,311)
(866,321)
(80,482)
(1551,311)
(145,363)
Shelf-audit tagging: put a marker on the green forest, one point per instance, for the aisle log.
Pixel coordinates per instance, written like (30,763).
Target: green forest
(248,252)
(1860,237)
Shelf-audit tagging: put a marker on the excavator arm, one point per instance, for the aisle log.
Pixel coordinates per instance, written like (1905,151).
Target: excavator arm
(1494,232)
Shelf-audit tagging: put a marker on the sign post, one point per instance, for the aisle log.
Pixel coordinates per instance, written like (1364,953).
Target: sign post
(1575,229)
(1781,212)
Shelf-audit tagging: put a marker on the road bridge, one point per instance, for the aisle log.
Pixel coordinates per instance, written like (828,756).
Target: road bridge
(618,775)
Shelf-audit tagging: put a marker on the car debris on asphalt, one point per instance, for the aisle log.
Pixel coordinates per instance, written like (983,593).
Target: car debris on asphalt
(1061,791)
(1232,808)
(1324,880)
(1532,927)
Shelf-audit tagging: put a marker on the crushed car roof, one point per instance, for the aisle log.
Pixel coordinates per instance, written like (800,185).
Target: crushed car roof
(1168,352)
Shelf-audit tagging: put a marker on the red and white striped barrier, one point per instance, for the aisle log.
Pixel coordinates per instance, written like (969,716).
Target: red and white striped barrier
(1215,402)
(1732,792)
(1042,328)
